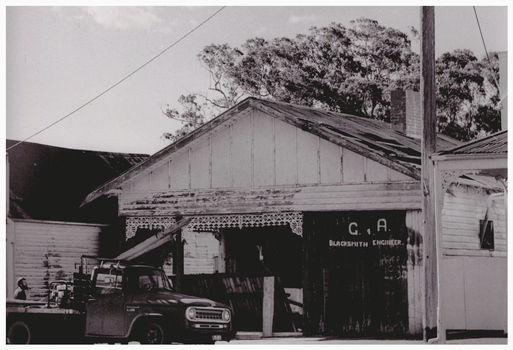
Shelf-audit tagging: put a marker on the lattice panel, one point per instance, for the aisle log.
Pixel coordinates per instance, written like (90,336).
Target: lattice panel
(213,223)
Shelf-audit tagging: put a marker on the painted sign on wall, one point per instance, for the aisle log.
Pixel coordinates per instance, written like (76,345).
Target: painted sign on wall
(369,230)
(364,271)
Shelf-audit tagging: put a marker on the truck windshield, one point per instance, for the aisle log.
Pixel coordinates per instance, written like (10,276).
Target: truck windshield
(144,279)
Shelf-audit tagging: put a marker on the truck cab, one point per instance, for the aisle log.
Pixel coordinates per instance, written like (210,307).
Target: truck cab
(137,302)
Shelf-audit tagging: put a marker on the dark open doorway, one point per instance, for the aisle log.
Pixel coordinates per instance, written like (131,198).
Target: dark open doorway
(274,250)
(267,251)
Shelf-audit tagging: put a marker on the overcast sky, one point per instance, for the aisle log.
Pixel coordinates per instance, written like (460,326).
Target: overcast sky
(59,58)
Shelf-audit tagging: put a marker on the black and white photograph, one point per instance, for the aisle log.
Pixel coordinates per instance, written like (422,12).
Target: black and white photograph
(256,174)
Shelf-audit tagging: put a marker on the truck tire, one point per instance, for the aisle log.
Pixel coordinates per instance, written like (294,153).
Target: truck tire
(18,333)
(152,333)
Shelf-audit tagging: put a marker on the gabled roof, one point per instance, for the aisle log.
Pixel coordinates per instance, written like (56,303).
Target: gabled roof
(49,183)
(371,138)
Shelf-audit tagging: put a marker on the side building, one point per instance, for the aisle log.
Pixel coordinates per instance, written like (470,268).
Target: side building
(47,231)
(472,226)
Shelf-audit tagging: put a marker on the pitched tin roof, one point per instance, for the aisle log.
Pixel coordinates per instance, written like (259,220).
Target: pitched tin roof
(487,156)
(49,183)
(371,138)
(492,145)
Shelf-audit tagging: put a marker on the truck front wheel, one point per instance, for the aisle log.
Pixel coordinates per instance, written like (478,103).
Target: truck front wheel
(18,333)
(152,333)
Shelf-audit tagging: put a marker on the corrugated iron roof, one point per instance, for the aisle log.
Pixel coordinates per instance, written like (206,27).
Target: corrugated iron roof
(49,183)
(370,137)
(493,144)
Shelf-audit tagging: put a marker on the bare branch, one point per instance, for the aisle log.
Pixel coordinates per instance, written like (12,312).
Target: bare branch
(178,119)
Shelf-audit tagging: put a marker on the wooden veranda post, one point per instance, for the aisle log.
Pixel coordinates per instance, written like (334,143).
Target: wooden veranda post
(178,263)
(268,307)
(428,146)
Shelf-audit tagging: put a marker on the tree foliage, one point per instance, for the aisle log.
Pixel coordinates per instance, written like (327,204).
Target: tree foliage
(343,69)
(467,95)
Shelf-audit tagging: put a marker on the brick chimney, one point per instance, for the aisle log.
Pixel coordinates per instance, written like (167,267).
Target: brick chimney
(405,113)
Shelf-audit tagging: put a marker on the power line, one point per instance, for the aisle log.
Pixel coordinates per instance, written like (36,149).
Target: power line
(119,82)
(486,51)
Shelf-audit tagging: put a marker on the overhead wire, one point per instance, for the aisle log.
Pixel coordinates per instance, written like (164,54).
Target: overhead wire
(120,81)
(486,51)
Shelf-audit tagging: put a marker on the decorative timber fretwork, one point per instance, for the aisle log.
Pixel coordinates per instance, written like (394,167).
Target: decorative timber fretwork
(448,177)
(215,222)
(295,220)
(149,222)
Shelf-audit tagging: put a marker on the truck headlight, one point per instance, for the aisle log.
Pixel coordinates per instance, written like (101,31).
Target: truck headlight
(226,315)
(191,313)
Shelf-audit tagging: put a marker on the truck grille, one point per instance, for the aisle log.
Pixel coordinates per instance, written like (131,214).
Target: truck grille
(209,314)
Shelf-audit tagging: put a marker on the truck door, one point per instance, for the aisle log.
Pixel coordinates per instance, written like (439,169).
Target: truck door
(106,312)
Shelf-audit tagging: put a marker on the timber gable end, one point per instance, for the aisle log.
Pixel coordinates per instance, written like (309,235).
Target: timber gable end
(261,143)
(257,162)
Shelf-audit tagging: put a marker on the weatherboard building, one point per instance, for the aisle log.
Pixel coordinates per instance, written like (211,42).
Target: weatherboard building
(327,203)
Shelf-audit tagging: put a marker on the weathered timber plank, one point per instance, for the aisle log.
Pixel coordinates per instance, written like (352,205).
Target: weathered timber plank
(468,214)
(200,165)
(142,183)
(375,171)
(461,238)
(285,196)
(221,161)
(286,154)
(474,253)
(350,186)
(241,152)
(273,193)
(209,210)
(457,228)
(263,150)
(160,178)
(308,158)
(330,163)
(179,171)
(353,167)
(271,202)
(462,245)
(378,195)
(279,198)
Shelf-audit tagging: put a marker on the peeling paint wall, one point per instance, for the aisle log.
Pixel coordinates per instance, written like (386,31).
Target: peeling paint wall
(47,251)
(474,279)
(464,207)
(370,196)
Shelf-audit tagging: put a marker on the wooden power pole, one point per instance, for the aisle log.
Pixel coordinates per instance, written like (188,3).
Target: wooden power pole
(428,105)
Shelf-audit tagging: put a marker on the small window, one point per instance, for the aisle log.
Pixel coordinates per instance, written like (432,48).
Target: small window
(107,283)
(486,234)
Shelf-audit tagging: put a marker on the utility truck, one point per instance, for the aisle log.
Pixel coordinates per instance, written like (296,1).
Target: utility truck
(117,301)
